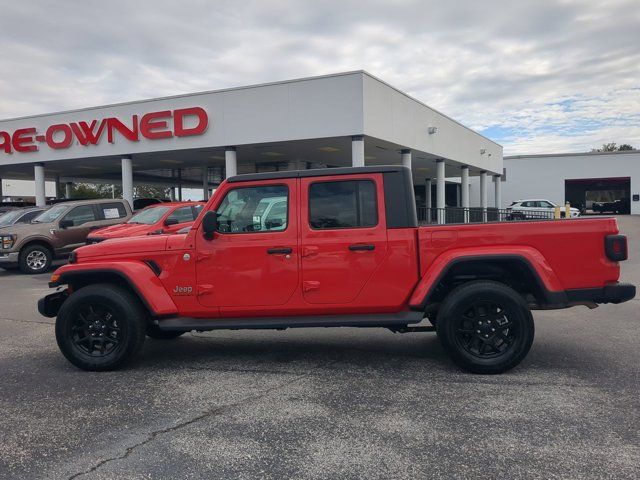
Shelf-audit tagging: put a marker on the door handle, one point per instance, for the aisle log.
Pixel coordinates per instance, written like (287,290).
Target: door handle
(357,248)
(279,251)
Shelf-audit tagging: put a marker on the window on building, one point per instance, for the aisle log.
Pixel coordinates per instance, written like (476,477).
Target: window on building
(343,204)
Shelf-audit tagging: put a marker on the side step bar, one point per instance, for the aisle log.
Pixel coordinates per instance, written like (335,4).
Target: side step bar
(398,319)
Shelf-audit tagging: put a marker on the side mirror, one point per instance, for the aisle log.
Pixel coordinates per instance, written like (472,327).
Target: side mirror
(65,224)
(209,224)
(171,221)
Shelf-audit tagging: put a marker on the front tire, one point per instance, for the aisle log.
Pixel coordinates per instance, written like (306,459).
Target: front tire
(101,327)
(35,259)
(485,327)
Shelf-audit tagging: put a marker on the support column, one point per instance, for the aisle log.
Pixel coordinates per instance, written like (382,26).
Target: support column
(427,201)
(68,190)
(38,177)
(357,151)
(483,194)
(498,191)
(1,194)
(57,185)
(180,185)
(406,157)
(127,180)
(205,183)
(440,185)
(464,192)
(231,162)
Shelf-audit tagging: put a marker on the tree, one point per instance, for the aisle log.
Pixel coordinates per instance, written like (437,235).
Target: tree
(612,147)
(148,191)
(107,190)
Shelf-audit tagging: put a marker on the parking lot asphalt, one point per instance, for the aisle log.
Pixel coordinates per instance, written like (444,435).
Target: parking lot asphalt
(324,403)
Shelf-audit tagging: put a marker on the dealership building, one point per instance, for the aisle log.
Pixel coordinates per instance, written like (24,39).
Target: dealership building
(577,178)
(196,140)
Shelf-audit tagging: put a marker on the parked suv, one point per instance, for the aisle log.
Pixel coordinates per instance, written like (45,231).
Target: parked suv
(537,208)
(56,232)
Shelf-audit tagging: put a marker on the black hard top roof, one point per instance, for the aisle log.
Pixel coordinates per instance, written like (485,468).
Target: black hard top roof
(318,172)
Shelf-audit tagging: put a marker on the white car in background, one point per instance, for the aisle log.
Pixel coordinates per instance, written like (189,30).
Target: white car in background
(537,208)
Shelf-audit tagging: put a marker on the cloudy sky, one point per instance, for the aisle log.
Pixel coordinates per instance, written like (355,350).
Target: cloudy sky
(536,76)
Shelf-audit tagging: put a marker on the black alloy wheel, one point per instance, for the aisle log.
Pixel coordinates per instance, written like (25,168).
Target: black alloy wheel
(101,327)
(485,331)
(485,327)
(95,330)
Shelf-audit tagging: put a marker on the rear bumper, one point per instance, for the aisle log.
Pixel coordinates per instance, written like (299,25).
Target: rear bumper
(9,259)
(612,293)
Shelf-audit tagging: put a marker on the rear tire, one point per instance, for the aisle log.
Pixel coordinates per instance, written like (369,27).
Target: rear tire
(101,327)
(154,332)
(34,259)
(485,327)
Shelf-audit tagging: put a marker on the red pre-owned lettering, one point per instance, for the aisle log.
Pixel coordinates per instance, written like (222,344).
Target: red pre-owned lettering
(149,125)
(65,130)
(22,140)
(85,132)
(178,121)
(5,142)
(183,122)
(130,134)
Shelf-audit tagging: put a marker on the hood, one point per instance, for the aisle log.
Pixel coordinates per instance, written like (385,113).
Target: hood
(123,247)
(22,229)
(123,230)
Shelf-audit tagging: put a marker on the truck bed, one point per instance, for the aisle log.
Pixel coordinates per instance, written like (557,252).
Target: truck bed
(570,252)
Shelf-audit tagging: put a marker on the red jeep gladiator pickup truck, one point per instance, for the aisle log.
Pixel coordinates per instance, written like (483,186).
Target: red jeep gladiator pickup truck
(333,248)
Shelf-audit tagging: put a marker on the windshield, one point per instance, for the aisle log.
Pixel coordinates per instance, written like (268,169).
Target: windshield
(9,217)
(51,215)
(149,216)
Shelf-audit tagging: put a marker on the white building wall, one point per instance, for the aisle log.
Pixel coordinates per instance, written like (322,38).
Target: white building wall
(543,176)
(393,115)
(25,188)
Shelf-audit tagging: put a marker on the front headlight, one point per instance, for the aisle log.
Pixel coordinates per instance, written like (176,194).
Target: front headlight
(7,241)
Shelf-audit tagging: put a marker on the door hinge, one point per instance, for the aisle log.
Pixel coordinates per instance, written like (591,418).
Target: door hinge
(203,256)
(310,285)
(205,290)
(309,251)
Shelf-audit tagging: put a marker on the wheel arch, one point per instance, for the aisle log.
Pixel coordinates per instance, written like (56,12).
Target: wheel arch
(515,270)
(38,241)
(147,287)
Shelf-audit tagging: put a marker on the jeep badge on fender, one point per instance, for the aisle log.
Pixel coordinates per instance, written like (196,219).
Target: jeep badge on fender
(182,290)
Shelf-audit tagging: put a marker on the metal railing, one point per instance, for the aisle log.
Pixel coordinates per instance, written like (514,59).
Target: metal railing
(450,215)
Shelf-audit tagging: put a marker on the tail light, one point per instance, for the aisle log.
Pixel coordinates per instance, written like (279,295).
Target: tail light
(615,246)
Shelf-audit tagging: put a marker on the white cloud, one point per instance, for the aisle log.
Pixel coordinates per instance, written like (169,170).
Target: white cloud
(502,66)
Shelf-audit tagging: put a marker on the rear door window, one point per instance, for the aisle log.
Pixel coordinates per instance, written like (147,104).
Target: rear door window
(343,204)
(111,211)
